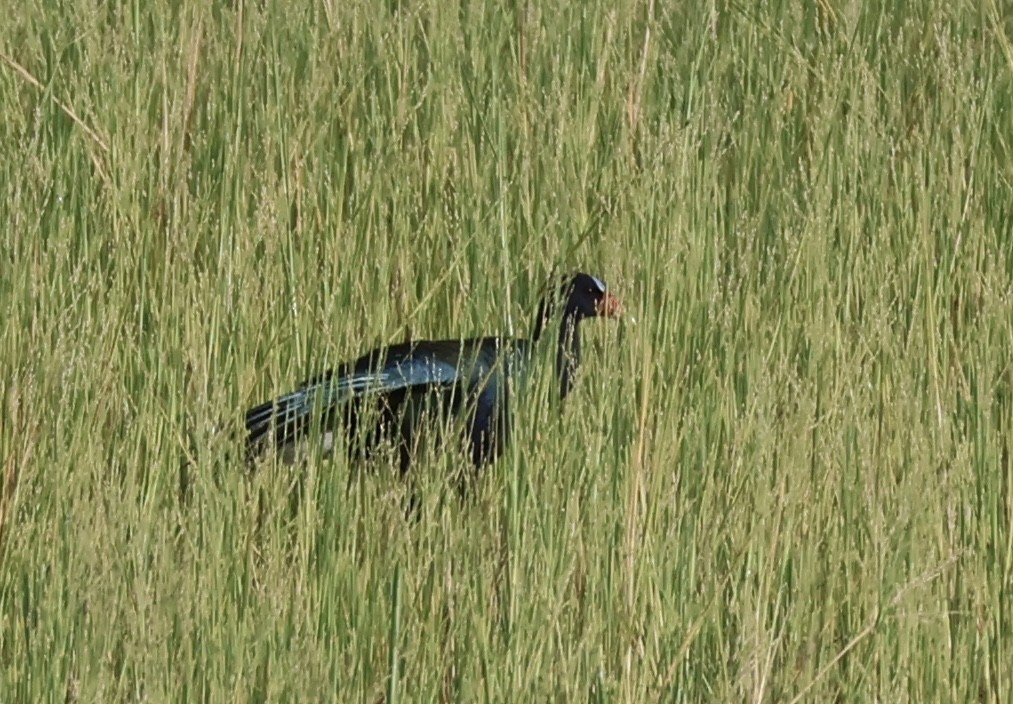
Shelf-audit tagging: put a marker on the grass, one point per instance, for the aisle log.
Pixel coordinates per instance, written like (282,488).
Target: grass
(790,481)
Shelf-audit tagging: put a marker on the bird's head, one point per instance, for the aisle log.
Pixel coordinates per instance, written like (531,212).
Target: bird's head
(586,296)
(580,296)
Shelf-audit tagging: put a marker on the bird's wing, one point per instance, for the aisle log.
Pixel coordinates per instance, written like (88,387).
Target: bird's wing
(440,363)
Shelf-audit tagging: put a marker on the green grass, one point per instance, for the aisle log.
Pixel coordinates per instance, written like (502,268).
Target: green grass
(790,481)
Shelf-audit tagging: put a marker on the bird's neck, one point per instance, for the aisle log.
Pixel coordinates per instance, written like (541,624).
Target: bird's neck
(567,353)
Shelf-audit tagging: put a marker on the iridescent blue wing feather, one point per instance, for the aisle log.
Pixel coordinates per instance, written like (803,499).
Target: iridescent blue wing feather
(442,364)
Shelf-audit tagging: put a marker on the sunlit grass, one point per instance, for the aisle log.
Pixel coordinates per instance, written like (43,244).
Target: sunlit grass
(790,480)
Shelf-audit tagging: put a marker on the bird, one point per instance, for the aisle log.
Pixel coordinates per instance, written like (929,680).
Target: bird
(387,393)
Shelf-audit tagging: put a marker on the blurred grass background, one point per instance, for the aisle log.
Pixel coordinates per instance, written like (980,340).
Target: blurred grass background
(789,482)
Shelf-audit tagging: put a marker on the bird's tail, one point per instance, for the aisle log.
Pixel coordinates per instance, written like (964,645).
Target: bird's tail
(288,417)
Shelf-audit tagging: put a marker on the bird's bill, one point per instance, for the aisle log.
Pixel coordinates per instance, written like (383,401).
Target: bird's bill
(609,307)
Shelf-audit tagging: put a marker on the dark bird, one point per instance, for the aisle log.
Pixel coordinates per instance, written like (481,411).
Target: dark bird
(390,390)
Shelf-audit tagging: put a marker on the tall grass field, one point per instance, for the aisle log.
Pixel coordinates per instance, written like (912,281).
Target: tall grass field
(783,476)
